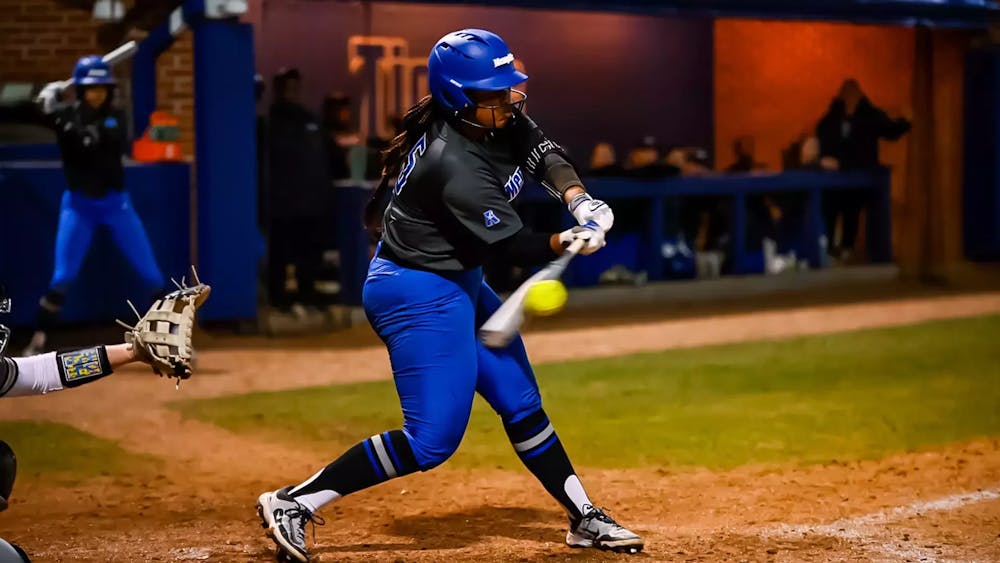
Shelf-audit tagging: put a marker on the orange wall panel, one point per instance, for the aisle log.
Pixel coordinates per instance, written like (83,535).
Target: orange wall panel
(774,80)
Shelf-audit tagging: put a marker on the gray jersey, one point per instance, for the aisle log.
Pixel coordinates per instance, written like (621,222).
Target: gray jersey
(452,200)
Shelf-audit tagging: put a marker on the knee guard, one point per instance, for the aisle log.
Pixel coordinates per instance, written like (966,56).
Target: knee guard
(8,470)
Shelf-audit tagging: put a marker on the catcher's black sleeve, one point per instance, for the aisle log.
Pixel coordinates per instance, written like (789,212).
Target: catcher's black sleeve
(8,375)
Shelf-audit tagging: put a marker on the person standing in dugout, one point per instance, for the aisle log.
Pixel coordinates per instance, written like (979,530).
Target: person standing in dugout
(462,158)
(92,137)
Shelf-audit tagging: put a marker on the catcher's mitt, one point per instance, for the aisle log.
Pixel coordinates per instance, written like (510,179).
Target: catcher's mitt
(162,337)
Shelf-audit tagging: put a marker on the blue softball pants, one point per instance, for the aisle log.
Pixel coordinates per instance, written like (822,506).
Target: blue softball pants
(428,322)
(79,217)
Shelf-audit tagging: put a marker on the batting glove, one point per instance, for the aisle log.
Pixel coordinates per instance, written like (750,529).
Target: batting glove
(49,97)
(586,209)
(591,232)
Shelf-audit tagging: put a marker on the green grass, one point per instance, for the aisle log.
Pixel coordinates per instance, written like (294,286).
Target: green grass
(51,451)
(804,400)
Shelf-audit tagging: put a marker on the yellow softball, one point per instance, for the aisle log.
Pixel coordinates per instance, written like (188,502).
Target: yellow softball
(546,297)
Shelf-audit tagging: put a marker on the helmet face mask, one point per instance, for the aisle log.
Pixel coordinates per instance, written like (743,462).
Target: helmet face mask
(486,114)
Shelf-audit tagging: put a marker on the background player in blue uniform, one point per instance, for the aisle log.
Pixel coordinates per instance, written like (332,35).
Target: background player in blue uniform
(92,137)
(464,155)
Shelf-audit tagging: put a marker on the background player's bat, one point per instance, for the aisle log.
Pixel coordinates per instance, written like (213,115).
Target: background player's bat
(120,54)
(502,325)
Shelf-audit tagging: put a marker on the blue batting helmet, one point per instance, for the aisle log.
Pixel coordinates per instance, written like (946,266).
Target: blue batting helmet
(470,59)
(91,70)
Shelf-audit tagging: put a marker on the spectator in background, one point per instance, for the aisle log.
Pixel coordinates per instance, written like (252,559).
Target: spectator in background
(809,154)
(603,161)
(687,161)
(743,151)
(848,137)
(766,212)
(341,134)
(300,195)
(376,144)
(705,220)
(644,161)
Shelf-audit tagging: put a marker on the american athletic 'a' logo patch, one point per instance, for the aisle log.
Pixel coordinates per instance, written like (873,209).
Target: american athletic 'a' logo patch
(490,218)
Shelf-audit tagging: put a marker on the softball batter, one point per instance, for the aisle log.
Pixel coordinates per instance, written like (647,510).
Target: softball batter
(92,138)
(462,158)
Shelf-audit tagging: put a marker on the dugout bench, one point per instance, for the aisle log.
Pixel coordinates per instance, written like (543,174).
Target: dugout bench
(354,245)
(738,188)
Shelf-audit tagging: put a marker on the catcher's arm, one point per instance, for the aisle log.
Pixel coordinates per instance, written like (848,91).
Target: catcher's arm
(122,355)
(161,338)
(55,371)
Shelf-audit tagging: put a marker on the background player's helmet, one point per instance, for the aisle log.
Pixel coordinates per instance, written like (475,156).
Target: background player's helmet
(4,331)
(469,59)
(92,71)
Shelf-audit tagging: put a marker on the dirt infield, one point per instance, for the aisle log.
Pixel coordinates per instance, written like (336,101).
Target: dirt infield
(199,505)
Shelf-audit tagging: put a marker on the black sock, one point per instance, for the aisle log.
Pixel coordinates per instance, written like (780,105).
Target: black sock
(539,448)
(368,463)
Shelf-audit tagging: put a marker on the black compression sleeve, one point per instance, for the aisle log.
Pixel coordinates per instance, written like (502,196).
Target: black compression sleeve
(8,375)
(560,174)
(524,248)
(544,159)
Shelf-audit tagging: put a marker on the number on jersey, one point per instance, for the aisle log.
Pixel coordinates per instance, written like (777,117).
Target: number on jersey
(411,160)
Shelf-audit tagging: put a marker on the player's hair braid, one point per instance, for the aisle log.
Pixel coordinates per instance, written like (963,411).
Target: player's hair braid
(416,122)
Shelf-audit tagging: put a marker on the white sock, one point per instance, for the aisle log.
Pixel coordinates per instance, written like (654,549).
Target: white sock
(574,490)
(314,501)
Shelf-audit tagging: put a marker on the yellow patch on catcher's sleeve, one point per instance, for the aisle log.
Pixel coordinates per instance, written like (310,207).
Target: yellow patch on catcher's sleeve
(82,366)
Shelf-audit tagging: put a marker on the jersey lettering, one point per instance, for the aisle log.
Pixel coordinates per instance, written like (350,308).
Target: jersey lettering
(411,160)
(514,184)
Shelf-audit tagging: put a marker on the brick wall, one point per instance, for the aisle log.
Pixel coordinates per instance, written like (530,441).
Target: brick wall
(175,86)
(40,40)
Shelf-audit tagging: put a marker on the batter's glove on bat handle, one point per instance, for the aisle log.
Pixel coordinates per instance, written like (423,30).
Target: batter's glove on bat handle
(50,95)
(592,234)
(586,209)
(162,337)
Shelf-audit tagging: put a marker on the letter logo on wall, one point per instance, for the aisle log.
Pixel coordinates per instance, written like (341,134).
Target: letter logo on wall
(390,80)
